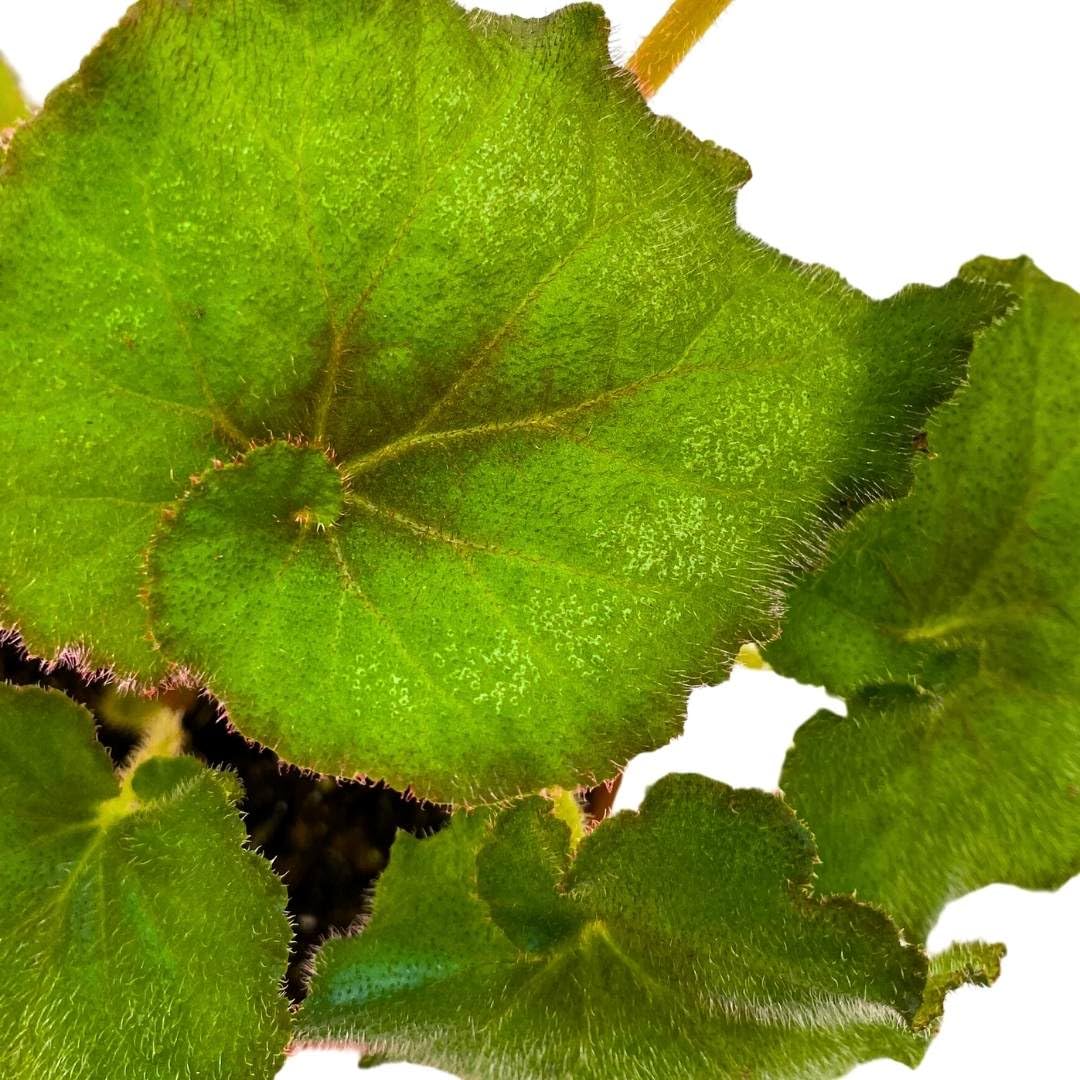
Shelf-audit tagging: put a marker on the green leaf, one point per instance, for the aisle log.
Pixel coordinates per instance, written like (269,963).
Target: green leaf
(541,431)
(13,105)
(964,963)
(140,938)
(681,941)
(950,620)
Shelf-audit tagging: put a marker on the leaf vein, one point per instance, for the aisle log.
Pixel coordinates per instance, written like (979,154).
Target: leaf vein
(433,533)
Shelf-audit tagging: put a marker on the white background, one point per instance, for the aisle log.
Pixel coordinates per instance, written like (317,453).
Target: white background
(892,141)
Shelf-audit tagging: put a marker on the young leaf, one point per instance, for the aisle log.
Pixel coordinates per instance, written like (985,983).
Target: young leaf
(139,938)
(682,941)
(541,428)
(964,963)
(12,103)
(950,619)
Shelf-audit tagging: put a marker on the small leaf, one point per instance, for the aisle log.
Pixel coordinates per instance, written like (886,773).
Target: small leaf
(950,619)
(13,105)
(519,875)
(541,432)
(139,938)
(682,941)
(965,963)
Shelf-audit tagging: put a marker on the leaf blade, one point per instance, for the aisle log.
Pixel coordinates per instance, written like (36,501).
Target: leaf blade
(118,902)
(686,943)
(13,106)
(949,618)
(590,422)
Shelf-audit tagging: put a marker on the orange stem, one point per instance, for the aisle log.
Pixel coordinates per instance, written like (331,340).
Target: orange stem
(670,40)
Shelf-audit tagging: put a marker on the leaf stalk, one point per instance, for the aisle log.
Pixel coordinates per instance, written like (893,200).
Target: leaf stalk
(161,731)
(665,46)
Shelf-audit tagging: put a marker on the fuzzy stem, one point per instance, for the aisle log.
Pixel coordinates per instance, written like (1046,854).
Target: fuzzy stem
(670,40)
(161,735)
(567,809)
(161,731)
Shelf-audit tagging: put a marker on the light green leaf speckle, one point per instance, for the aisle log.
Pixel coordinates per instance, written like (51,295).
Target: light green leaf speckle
(570,429)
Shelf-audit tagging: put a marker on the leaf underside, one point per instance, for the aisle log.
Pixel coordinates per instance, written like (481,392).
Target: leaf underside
(541,432)
(949,620)
(681,941)
(139,938)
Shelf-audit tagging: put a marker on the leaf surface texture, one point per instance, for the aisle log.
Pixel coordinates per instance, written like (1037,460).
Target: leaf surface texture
(949,620)
(140,938)
(682,941)
(541,433)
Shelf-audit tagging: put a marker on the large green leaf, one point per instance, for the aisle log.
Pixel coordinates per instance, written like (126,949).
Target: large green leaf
(541,431)
(12,103)
(139,938)
(681,941)
(951,620)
